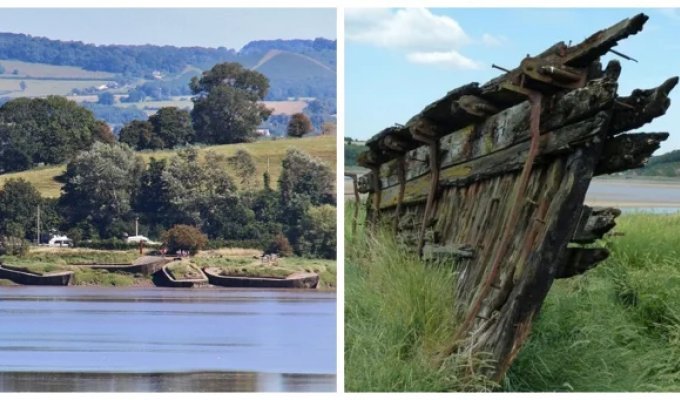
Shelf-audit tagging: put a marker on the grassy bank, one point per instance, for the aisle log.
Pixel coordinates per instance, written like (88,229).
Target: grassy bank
(242,262)
(616,328)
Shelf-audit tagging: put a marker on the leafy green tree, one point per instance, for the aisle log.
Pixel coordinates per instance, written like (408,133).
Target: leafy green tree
(299,125)
(226,108)
(185,237)
(173,126)
(306,176)
(106,99)
(151,199)
(244,165)
(100,184)
(319,227)
(43,130)
(201,193)
(140,135)
(19,202)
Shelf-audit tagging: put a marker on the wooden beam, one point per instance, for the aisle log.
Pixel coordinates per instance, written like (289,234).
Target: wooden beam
(628,151)
(594,223)
(501,162)
(576,261)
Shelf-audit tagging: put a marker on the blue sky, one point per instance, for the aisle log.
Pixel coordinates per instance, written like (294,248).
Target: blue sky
(231,28)
(398,61)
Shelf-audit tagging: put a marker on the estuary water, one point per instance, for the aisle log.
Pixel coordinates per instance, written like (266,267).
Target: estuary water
(153,339)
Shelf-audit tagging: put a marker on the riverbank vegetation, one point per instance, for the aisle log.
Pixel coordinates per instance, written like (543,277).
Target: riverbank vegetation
(615,328)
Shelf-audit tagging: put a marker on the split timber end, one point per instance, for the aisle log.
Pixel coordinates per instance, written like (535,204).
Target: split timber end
(577,261)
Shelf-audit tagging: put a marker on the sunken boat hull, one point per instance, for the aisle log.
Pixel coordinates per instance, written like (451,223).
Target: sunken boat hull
(298,280)
(491,180)
(165,278)
(147,266)
(22,276)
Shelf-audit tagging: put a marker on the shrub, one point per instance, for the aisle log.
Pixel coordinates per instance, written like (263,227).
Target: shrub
(185,237)
(280,246)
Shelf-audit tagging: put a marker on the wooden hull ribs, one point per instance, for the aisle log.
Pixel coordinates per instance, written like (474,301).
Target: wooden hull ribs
(492,179)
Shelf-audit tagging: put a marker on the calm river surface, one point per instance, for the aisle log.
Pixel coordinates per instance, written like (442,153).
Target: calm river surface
(153,339)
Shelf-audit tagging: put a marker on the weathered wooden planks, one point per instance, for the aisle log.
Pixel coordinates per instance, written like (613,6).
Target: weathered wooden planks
(494,184)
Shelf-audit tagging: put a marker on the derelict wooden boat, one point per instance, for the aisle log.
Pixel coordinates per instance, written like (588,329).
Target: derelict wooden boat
(146,265)
(492,179)
(24,276)
(299,280)
(164,277)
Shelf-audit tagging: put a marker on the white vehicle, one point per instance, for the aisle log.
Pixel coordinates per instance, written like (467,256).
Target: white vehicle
(140,238)
(60,241)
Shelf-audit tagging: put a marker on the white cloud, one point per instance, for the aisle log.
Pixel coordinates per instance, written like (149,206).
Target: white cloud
(411,29)
(424,37)
(451,59)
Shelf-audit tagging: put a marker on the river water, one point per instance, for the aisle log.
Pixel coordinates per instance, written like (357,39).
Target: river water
(153,339)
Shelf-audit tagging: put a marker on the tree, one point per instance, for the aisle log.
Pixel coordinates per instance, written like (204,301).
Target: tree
(172,126)
(43,130)
(106,99)
(319,227)
(329,128)
(102,133)
(306,176)
(185,237)
(151,198)
(19,202)
(140,135)
(226,108)
(299,125)
(100,184)
(202,194)
(244,165)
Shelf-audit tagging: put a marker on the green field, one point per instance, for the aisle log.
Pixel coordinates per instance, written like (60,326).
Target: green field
(615,328)
(322,147)
(37,70)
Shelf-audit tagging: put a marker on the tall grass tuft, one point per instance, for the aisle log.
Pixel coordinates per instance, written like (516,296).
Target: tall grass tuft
(398,319)
(616,328)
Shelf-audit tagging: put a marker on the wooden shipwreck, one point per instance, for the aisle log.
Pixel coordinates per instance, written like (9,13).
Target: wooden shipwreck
(492,178)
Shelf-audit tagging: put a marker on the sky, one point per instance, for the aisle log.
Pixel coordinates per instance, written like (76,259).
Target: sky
(399,60)
(231,28)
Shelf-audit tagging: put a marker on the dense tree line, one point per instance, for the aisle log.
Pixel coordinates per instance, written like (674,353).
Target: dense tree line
(49,131)
(108,186)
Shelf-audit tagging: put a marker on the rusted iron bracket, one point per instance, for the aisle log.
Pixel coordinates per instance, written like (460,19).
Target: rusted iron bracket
(534,126)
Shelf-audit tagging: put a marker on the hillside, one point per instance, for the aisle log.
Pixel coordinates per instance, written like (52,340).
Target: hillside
(295,74)
(665,165)
(322,147)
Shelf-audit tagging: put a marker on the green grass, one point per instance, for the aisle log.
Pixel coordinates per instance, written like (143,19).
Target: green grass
(398,320)
(52,260)
(615,328)
(183,270)
(322,147)
(87,277)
